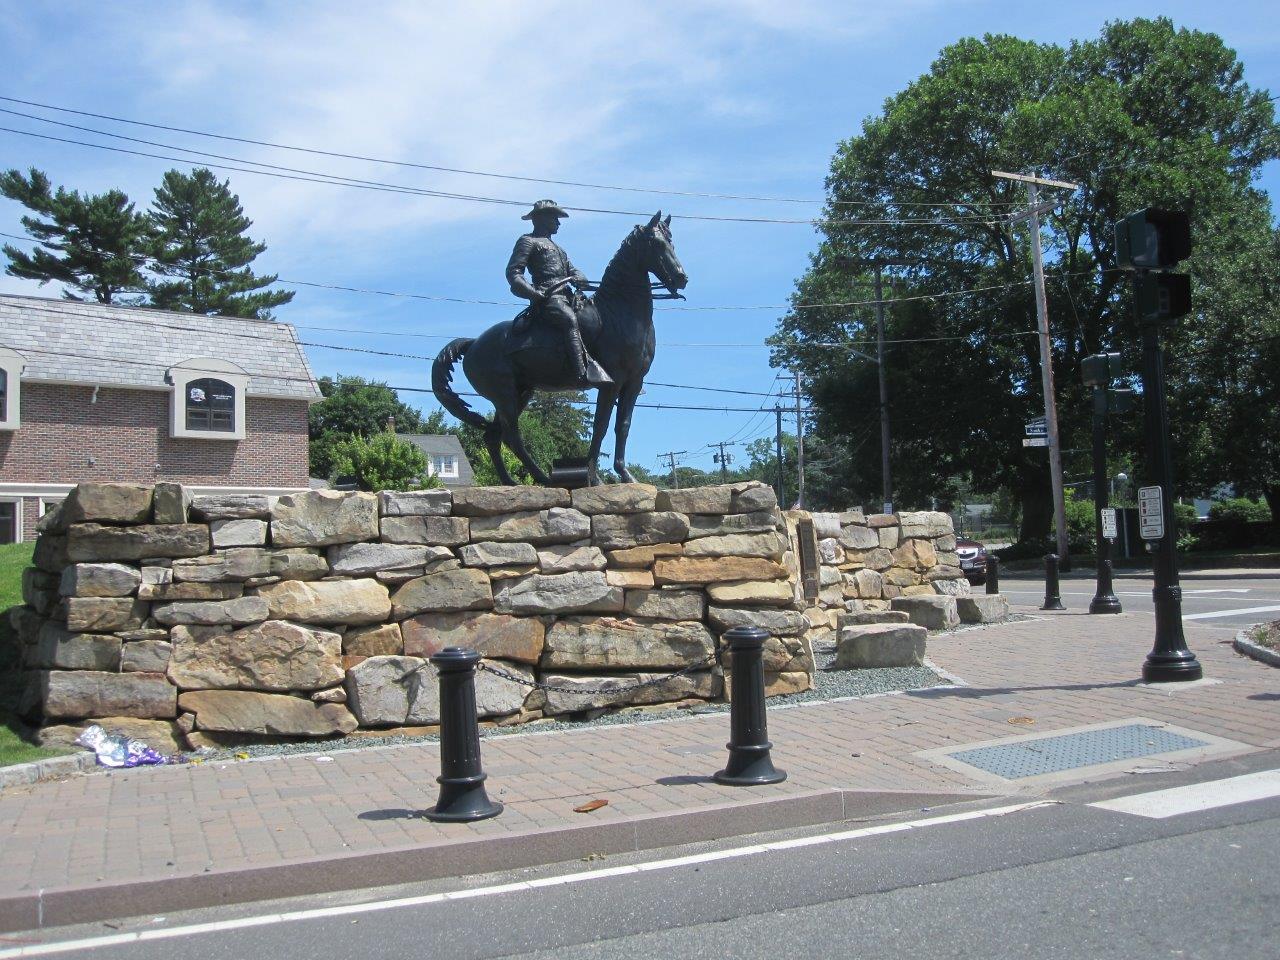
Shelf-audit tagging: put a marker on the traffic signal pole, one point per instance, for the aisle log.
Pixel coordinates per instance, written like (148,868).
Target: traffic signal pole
(1169,659)
(1149,242)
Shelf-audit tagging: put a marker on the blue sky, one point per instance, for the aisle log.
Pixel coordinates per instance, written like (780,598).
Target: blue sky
(713,97)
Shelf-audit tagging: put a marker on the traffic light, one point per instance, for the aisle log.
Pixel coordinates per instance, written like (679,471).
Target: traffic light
(1099,369)
(1162,296)
(1153,239)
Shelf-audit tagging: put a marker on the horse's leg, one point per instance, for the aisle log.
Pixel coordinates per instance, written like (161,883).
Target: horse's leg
(622,427)
(493,443)
(511,435)
(605,397)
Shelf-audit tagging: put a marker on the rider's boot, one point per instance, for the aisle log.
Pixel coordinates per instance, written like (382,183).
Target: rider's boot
(589,372)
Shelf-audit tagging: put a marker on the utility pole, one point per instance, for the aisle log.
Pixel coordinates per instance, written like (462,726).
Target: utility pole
(723,459)
(886,481)
(799,445)
(671,456)
(1046,351)
(878,264)
(782,477)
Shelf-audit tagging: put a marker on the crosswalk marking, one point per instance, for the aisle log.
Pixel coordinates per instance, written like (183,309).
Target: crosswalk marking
(1194,797)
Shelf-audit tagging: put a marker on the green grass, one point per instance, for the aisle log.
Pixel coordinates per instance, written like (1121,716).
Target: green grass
(14,558)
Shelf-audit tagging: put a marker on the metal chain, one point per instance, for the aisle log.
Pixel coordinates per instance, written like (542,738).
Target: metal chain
(537,685)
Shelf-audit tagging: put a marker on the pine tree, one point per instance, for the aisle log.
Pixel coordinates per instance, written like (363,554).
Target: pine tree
(201,252)
(93,243)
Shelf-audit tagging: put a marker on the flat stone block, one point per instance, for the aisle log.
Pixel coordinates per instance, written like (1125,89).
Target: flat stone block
(93,541)
(861,618)
(615,498)
(493,501)
(231,506)
(318,518)
(88,693)
(415,503)
(982,608)
(880,645)
(238,533)
(932,613)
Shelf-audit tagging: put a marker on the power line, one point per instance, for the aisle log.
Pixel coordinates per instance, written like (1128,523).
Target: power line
(473,173)
(143,261)
(313,381)
(312,176)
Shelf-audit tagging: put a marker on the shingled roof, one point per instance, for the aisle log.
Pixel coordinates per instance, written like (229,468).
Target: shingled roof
(66,341)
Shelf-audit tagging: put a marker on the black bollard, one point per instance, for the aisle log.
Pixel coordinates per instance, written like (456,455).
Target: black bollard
(749,762)
(993,573)
(462,795)
(1052,601)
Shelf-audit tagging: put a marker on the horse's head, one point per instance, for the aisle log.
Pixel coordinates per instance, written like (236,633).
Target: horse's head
(660,254)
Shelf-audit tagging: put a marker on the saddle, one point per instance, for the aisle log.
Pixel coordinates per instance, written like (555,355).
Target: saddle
(528,321)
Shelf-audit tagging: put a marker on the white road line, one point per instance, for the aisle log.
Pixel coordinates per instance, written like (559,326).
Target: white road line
(320,913)
(1197,796)
(1230,613)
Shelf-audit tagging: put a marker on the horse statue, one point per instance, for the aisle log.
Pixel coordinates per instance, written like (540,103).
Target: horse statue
(505,366)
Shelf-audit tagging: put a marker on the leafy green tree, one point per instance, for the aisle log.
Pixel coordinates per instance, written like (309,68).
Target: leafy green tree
(1144,115)
(91,243)
(201,253)
(381,462)
(353,406)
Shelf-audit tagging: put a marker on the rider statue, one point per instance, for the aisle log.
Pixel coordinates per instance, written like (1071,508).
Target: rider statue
(552,274)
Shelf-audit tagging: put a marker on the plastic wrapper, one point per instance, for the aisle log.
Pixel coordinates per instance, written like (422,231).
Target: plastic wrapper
(115,750)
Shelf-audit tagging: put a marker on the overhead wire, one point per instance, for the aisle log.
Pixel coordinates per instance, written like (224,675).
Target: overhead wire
(312,176)
(481,173)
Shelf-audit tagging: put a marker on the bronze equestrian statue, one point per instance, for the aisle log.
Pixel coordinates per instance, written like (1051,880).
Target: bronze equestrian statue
(550,291)
(512,359)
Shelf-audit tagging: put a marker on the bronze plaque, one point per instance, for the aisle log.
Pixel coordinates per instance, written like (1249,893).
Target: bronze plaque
(810,574)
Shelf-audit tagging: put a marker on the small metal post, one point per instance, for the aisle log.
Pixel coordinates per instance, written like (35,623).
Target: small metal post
(1052,601)
(1104,598)
(462,794)
(993,573)
(749,761)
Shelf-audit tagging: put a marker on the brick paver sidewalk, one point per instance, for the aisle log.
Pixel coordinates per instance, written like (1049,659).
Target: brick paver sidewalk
(134,826)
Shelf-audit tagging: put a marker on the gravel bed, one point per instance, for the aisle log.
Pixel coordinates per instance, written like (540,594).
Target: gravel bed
(828,685)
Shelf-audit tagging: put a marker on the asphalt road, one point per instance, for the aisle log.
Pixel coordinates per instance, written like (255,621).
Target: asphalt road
(1047,877)
(1211,598)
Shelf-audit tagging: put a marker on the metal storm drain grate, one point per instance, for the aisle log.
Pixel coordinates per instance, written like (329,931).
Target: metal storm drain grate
(1031,758)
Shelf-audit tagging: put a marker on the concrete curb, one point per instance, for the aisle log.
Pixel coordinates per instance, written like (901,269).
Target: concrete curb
(46,769)
(1244,645)
(36,909)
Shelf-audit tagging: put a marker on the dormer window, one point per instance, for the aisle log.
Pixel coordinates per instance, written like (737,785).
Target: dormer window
(208,399)
(10,389)
(211,405)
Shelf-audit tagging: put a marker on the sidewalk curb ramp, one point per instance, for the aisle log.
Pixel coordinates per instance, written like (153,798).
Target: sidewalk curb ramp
(467,855)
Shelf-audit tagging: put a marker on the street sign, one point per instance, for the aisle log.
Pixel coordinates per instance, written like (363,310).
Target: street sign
(1109,522)
(1035,441)
(1150,513)
(1037,427)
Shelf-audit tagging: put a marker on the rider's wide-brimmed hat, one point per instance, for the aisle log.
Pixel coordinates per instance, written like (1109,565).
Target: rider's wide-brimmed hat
(545,206)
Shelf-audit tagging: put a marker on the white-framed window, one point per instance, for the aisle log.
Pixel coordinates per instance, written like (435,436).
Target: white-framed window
(10,389)
(444,465)
(10,519)
(46,504)
(208,399)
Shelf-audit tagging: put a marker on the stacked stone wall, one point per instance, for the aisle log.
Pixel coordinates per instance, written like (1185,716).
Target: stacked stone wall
(866,561)
(233,616)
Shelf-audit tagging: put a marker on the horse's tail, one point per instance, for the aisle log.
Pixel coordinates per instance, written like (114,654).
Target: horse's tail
(442,382)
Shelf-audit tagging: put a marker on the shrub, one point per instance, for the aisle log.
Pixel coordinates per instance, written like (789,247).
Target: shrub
(382,462)
(1241,510)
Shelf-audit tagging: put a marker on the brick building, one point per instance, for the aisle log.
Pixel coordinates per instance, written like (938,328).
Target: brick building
(93,392)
